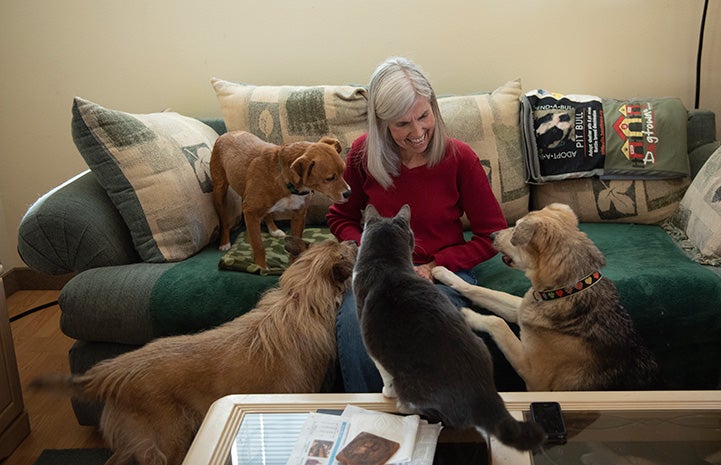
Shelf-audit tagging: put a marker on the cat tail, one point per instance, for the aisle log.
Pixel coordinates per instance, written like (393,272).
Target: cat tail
(521,435)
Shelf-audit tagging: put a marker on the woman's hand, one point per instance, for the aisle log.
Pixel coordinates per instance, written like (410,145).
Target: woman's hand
(424,271)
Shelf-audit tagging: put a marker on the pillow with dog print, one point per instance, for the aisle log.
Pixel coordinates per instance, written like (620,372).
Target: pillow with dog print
(155,169)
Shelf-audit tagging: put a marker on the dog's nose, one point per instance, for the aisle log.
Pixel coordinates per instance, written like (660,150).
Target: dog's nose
(493,235)
(346,194)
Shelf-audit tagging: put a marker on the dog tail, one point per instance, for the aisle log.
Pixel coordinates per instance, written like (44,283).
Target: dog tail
(55,382)
(521,435)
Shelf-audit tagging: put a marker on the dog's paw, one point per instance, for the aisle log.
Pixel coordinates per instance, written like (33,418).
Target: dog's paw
(443,274)
(479,322)
(277,233)
(224,247)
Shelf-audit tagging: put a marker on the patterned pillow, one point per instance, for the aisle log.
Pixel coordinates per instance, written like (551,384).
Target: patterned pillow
(489,123)
(699,213)
(617,201)
(154,167)
(284,114)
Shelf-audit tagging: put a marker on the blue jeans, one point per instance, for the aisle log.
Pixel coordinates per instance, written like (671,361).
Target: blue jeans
(357,369)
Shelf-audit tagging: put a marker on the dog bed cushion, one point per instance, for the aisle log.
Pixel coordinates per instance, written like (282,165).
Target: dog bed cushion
(240,255)
(155,169)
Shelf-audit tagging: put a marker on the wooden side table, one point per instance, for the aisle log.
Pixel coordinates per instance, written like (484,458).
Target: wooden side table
(14,423)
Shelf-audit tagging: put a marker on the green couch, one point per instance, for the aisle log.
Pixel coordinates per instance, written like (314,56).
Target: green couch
(117,301)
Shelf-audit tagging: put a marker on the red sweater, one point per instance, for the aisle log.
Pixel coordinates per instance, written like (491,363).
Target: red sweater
(438,197)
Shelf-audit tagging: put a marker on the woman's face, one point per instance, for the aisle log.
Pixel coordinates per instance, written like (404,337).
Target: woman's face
(413,131)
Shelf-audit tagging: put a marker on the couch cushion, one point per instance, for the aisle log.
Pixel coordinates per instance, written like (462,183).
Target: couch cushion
(240,255)
(699,214)
(154,168)
(618,201)
(285,114)
(489,124)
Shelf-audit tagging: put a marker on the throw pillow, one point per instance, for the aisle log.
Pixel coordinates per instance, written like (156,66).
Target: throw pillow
(284,114)
(489,124)
(618,201)
(699,213)
(155,169)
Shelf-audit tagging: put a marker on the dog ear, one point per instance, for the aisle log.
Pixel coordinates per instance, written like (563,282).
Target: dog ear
(335,143)
(300,170)
(523,232)
(342,271)
(295,246)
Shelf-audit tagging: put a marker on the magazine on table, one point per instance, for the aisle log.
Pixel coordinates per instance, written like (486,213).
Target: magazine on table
(324,435)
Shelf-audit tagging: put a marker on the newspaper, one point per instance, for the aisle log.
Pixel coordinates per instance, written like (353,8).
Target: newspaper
(324,435)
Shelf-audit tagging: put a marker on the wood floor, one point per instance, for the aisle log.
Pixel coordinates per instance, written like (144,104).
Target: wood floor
(40,348)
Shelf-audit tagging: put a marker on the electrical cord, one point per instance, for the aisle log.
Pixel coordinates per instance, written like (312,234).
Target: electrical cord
(33,310)
(698,56)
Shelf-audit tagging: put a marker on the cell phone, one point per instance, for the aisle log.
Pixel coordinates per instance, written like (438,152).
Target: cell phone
(550,417)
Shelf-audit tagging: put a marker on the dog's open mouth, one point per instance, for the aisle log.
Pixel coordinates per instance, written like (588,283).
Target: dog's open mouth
(507,260)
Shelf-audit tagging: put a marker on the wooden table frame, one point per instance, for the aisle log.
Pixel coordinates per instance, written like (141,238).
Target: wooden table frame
(214,439)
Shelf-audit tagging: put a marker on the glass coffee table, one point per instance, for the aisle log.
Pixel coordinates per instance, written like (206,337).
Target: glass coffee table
(616,428)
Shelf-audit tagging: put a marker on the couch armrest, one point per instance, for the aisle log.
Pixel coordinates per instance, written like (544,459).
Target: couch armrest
(74,227)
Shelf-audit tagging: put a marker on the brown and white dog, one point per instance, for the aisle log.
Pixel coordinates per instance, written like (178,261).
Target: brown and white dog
(272,178)
(156,397)
(575,335)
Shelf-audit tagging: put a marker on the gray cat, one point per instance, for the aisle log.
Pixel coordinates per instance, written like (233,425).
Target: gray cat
(425,351)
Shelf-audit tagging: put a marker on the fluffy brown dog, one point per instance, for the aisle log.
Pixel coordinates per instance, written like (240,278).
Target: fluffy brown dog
(272,178)
(156,397)
(575,335)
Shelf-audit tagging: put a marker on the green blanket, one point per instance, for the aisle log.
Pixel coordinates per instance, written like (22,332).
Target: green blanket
(240,255)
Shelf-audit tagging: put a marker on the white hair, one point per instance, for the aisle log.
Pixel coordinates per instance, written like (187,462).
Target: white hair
(393,88)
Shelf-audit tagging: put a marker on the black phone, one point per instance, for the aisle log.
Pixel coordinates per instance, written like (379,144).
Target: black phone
(550,417)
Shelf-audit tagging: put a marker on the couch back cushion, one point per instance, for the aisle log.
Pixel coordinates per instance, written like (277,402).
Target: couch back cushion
(488,122)
(618,201)
(155,169)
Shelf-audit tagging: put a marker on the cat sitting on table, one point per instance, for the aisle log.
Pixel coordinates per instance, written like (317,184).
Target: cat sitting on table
(426,353)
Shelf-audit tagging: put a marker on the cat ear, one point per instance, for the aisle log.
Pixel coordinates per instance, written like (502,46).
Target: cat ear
(370,213)
(404,213)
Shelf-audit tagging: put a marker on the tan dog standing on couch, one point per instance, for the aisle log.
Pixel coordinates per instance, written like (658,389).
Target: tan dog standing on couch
(155,397)
(575,334)
(272,178)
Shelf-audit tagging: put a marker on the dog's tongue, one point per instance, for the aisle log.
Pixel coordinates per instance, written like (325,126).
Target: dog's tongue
(507,260)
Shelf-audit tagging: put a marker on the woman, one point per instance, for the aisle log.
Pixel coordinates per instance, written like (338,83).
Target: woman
(407,158)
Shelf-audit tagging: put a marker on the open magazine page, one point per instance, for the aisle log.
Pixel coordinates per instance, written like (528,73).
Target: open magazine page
(320,439)
(324,435)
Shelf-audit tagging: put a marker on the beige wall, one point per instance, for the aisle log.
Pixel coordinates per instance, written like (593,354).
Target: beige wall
(147,55)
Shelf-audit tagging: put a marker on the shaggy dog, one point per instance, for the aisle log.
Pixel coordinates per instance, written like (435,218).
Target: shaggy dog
(575,335)
(156,397)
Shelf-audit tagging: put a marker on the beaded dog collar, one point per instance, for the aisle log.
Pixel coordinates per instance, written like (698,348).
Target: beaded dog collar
(585,283)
